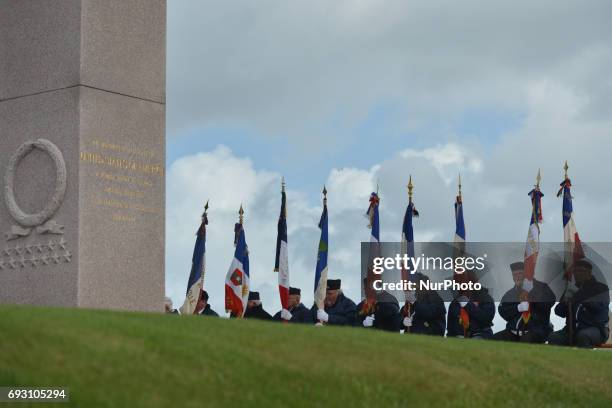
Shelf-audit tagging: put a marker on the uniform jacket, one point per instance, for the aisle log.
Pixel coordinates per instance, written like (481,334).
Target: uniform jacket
(386,314)
(541,300)
(207,311)
(257,312)
(590,305)
(299,314)
(428,314)
(481,311)
(341,313)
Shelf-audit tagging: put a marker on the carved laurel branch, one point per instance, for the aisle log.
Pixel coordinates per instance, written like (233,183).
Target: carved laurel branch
(33,220)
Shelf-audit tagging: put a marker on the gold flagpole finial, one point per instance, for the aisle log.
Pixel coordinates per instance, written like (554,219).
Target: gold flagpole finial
(565,167)
(283,185)
(410,187)
(240,214)
(459,184)
(538,180)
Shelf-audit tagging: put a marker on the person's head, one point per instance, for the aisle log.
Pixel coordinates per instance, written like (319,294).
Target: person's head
(583,271)
(254,300)
(333,289)
(168,305)
(518,273)
(466,277)
(295,295)
(203,302)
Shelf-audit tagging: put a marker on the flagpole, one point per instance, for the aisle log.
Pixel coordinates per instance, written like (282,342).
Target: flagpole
(321,267)
(204,222)
(570,315)
(281,262)
(410,186)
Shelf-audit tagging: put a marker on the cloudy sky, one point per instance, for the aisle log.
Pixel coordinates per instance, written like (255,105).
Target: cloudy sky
(355,93)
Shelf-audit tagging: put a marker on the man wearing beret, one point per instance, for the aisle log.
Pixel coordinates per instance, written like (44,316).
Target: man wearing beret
(526,309)
(383,314)
(339,310)
(587,308)
(255,309)
(204,307)
(296,312)
(471,314)
(424,311)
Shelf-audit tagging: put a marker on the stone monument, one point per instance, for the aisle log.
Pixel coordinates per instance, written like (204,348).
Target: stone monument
(82,153)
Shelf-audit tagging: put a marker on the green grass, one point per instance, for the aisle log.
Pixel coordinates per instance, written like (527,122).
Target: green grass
(113,359)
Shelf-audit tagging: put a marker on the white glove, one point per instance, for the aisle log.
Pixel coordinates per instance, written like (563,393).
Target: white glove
(411,297)
(527,285)
(318,324)
(368,321)
(571,290)
(523,306)
(408,321)
(463,304)
(322,315)
(286,315)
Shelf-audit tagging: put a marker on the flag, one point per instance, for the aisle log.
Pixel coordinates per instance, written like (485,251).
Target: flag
(573,247)
(459,240)
(374,252)
(320,281)
(407,247)
(237,280)
(532,246)
(459,251)
(281,264)
(408,238)
(195,284)
(407,242)
(459,224)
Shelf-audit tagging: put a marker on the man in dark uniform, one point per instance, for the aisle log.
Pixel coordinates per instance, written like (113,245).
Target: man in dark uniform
(255,309)
(424,311)
(471,314)
(588,308)
(382,314)
(296,312)
(526,309)
(204,306)
(339,310)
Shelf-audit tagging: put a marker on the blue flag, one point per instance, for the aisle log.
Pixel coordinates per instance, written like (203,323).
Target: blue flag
(195,284)
(320,282)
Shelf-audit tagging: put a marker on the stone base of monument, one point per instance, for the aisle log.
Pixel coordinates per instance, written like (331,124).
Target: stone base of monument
(82,154)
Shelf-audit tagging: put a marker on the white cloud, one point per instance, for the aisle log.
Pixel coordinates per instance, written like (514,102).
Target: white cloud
(289,68)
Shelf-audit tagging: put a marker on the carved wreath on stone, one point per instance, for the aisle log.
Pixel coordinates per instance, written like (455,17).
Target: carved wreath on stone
(41,220)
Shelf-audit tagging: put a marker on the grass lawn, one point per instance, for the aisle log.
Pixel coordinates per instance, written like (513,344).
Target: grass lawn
(119,359)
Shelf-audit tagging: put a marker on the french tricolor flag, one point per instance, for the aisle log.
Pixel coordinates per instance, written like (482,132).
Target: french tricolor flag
(573,246)
(195,285)
(237,279)
(374,250)
(281,264)
(532,246)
